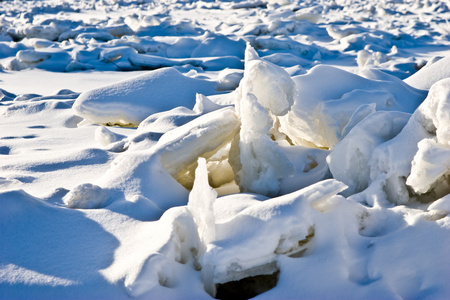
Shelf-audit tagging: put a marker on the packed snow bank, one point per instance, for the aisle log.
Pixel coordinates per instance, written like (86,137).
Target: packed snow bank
(328,98)
(435,70)
(130,101)
(148,269)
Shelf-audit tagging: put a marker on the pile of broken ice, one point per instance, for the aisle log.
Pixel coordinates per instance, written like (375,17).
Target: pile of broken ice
(371,138)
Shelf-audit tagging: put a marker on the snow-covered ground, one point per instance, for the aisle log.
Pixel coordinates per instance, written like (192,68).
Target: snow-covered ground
(179,149)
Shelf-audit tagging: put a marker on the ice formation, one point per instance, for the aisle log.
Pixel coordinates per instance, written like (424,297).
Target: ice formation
(280,224)
(201,206)
(350,158)
(319,113)
(429,121)
(265,93)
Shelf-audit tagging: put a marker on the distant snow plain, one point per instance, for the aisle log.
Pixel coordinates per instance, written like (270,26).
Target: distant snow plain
(176,149)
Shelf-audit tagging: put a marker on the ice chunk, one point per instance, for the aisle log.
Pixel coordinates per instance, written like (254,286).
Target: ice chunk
(436,111)
(262,164)
(165,121)
(247,244)
(350,158)
(168,242)
(271,85)
(201,201)
(180,148)
(391,161)
(86,195)
(219,45)
(132,100)
(32,56)
(328,97)
(431,162)
(229,79)
(360,113)
(204,105)
(441,204)
(265,92)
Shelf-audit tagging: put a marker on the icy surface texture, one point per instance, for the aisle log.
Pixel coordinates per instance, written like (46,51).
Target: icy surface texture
(204,136)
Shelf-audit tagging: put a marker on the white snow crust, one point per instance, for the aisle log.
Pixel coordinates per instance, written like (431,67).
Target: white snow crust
(199,149)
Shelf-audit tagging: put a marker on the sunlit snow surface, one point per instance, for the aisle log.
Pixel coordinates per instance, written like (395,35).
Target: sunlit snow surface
(302,147)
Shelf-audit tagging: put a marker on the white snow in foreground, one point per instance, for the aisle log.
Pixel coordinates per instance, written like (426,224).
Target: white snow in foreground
(276,149)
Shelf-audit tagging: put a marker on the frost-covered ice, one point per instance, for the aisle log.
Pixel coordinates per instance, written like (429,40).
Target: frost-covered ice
(276,149)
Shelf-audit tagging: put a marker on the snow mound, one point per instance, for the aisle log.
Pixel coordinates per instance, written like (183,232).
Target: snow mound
(86,196)
(431,73)
(130,101)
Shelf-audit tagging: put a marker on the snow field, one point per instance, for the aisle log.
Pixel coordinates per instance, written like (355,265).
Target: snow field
(273,149)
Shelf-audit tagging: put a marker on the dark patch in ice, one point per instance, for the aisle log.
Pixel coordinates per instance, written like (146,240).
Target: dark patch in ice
(247,287)
(6,96)
(37,127)
(31,136)
(25,179)
(5,150)
(26,97)
(152,136)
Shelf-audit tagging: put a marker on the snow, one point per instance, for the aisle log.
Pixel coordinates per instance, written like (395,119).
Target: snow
(276,149)
(85,196)
(149,93)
